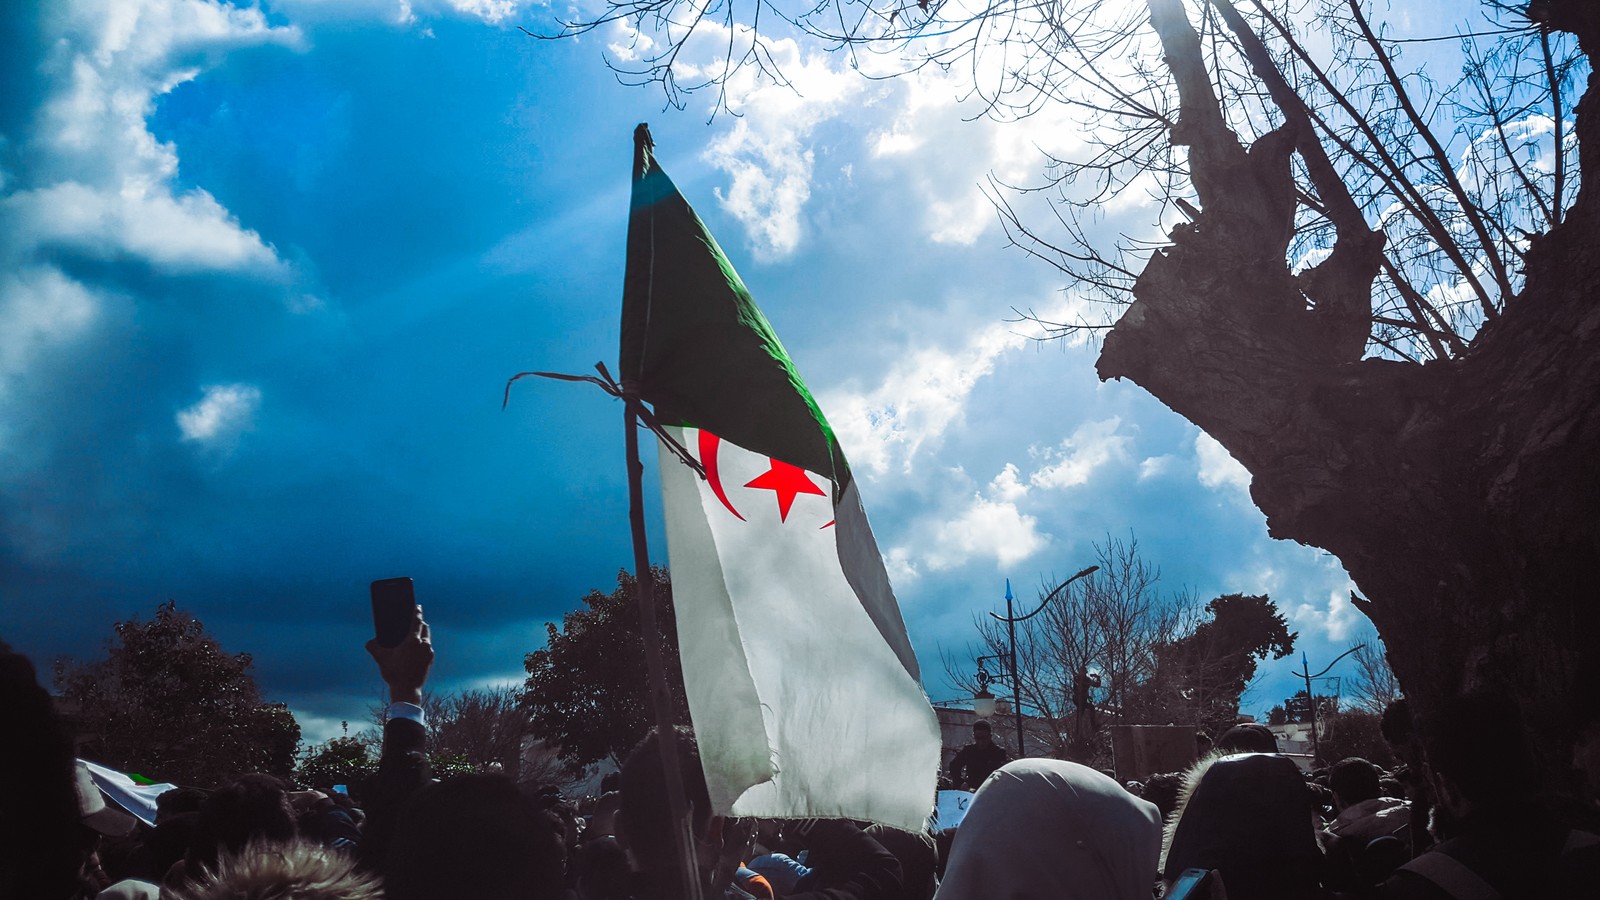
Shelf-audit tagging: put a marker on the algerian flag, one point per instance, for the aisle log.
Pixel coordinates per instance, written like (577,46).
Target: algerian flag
(802,684)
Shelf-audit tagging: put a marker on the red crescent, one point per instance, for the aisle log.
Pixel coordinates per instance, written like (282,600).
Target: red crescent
(708,458)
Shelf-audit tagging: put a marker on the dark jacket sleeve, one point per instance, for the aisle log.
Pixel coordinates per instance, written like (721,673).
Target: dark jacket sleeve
(402,769)
(847,864)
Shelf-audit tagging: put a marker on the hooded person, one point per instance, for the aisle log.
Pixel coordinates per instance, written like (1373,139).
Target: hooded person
(1045,829)
(1251,817)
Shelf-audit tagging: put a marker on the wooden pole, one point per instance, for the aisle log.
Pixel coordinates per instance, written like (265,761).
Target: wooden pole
(660,695)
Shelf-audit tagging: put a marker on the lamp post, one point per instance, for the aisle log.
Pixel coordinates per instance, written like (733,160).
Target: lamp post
(1011,621)
(1311,700)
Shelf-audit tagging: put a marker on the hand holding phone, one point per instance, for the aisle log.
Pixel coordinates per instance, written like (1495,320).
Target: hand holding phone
(404,663)
(394,603)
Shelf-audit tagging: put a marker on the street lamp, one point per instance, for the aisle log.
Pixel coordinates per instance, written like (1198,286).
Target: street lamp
(1011,621)
(1311,700)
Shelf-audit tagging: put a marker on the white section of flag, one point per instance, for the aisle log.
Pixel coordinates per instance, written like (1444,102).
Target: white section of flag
(801,708)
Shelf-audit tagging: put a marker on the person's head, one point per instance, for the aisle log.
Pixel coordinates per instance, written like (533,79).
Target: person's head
(296,870)
(1247,737)
(982,735)
(475,836)
(1353,780)
(253,808)
(179,801)
(1477,752)
(1051,828)
(1162,790)
(1253,817)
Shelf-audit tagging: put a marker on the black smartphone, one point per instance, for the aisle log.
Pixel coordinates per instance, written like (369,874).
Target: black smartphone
(1193,884)
(393,606)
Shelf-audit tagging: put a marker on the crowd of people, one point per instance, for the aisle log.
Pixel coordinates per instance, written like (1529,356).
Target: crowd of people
(1454,820)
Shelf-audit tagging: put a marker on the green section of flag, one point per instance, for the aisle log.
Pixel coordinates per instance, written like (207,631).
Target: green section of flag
(695,344)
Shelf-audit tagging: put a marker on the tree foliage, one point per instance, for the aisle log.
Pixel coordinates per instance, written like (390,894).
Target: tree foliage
(483,727)
(169,703)
(587,690)
(1354,732)
(1214,664)
(343,760)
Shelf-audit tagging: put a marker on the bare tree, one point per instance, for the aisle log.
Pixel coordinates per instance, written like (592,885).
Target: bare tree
(1374,686)
(1087,659)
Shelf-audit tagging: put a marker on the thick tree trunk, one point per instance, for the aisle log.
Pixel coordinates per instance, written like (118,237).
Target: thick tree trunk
(1463,496)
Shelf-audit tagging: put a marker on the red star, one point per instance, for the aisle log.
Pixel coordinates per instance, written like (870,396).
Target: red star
(786,481)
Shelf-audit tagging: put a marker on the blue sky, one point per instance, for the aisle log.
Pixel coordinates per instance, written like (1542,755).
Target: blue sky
(264,272)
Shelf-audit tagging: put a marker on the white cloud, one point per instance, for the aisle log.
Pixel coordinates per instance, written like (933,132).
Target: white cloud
(628,44)
(1337,618)
(883,428)
(987,528)
(99,182)
(181,233)
(225,412)
(39,306)
(1156,466)
(766,152)
(1091,446)
(1007,486)
(1218,468)
(491,11)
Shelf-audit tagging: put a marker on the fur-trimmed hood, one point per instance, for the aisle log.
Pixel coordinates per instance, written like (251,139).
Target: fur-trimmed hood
(1249,815)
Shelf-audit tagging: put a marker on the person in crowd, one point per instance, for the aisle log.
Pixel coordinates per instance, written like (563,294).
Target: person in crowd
(252,808)
(918,859)
(1362,816)
(1047,829)
(403,767)
(294,870)
(40,833)
(1504,842)
(1362,812)
(1162,789)
(473,836)
(974,762)
(1247,737)
(845,864)
(781,870)
(1250,817)
(1403,742)
(476,836)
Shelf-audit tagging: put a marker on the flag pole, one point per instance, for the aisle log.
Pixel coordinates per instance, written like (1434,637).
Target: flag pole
(644,583)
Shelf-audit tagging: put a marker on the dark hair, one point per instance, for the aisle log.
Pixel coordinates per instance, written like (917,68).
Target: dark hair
(1353,780)
(178,801)
(1247,737)
(1476,741)
(475,836)
(645,818)
(1162,789)
(610,781)
(1396,722)
(981,725)
(252,808)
